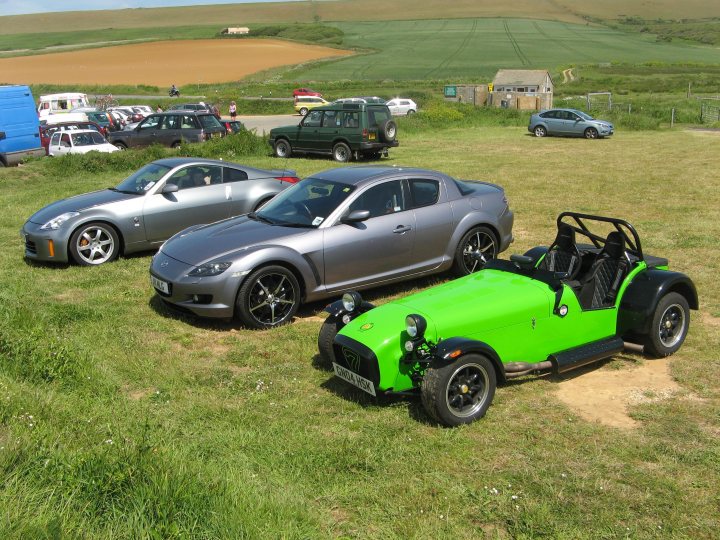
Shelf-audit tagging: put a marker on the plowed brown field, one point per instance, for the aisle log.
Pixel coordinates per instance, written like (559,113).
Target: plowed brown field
(161,63)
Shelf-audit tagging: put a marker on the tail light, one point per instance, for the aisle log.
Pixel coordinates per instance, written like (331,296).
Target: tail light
(288,179)
(364,133)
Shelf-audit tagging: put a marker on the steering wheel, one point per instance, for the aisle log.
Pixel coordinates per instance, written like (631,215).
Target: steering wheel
(302,208)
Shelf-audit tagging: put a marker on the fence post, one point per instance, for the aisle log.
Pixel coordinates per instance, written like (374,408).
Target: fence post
(672,117)
(629,108)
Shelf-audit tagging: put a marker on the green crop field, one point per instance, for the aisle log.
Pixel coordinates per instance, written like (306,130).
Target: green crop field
(122,419)
(477,48)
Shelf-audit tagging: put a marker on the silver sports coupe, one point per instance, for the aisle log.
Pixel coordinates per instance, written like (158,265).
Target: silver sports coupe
(147,208)
(346,228)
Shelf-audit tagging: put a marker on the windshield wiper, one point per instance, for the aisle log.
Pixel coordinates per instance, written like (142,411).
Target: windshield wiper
(258,217)
(116,190)
(297,225)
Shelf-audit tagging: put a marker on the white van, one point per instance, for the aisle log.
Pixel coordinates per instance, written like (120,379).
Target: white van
(61,103)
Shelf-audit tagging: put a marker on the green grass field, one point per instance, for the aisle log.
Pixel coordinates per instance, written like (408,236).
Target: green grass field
(121,419)
(477,48)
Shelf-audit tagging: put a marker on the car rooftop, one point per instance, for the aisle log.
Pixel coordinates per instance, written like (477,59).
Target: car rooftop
(360,174)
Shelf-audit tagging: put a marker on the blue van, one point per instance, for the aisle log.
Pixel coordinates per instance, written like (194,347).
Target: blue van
(19,126)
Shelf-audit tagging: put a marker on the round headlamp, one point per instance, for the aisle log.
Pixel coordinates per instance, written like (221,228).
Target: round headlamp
(415,325)
(351,300)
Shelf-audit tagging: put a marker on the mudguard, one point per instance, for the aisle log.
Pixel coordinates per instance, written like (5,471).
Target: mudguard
(641,297)
(337,312)
(465,346)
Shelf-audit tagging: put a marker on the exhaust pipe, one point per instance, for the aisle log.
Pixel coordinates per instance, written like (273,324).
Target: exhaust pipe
(518,369)
(634,347)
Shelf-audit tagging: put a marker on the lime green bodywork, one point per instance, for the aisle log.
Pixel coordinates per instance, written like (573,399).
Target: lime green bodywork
(511,313)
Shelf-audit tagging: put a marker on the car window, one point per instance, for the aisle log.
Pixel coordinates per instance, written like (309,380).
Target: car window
(331,119)
(548,114)
(380,200)
(55,140)
(196,176)
(209,121)
(143,179)
(65,140)
(424,192)
(151,122)
(188,121)
(87,139)
(307,203)
(171,121)
(377,116)
(312,119)
(351,120)
(574,117)
(233,175)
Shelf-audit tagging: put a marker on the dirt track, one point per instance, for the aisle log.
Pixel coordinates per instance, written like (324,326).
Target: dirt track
(161,63)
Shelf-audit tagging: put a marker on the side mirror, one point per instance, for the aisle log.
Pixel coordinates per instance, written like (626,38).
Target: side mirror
(356,216)
(169,188)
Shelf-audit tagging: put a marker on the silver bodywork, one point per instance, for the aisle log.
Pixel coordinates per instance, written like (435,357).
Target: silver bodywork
(331,256)
(144,219)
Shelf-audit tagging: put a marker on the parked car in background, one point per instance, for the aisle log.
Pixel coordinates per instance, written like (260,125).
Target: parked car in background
(402,106)
(305,92)
(343,130)
(19,126)
(51,104)
(305,103)
(568,122)
(170,129)
(47,130)
(148,207)
(362,99)
(201,106)
(313,241)
(145,110)
(233,126)
(128,113)
(79,141)
(101,118)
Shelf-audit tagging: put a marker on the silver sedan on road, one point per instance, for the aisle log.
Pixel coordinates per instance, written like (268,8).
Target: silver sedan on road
(346,228)
(147,208)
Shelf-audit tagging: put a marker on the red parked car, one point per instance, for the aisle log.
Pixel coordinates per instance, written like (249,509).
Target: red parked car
(305,92)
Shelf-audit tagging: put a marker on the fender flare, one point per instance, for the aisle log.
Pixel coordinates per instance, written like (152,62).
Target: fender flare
(641,297)
(337,312)
(465,346)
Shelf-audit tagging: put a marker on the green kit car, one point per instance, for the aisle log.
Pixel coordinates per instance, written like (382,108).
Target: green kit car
(551,310)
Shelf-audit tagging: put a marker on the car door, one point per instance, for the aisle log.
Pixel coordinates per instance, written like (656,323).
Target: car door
(433,221)
(375,250)
(200,198)
(239,190)
(553,123)
(309,135)
(329,130)
(168,130)
(394,106)
(54,145)
(575,124)
(146,131)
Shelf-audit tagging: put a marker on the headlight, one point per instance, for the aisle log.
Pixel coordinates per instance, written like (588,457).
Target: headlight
(210,269)
(415,325)
(351,301)
(55,223)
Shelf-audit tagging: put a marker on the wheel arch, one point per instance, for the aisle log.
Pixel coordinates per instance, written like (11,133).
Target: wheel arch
(447,351)
(642,296)
(465,225)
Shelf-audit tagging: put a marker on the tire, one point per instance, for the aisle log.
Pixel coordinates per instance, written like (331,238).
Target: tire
(478,240)
(176,144)
(461,392)
(411,111)
(283,148)
(94,243)
(591,133)
(120,146)
(327,334)
(341,153)
(274,282)
(388,130)
(540,131)
(670,324)
(303,111)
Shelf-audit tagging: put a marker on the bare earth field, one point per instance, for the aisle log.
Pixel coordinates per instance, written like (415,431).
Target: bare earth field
(161,63)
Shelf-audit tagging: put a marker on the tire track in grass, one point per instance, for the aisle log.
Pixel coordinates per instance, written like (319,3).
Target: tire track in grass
(518,51)
(562,43)
(463,45)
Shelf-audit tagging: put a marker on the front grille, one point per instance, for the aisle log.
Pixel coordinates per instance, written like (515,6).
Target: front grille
(356,357)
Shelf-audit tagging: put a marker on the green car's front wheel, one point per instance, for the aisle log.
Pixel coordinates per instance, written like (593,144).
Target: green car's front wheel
(461,392)
(326,337)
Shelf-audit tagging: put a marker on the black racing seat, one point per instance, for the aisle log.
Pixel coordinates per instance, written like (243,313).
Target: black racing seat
(563,255)
(599,288)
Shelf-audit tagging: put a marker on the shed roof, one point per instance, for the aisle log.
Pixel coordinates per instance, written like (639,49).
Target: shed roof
(516,77)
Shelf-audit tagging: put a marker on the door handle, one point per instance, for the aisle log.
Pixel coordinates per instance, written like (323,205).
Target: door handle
(402,229)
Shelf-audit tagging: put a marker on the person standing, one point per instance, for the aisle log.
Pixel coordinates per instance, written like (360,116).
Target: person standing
(233,110)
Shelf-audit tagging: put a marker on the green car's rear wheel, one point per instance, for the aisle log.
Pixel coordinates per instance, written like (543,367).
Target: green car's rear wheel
(670,324)
(461,392)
